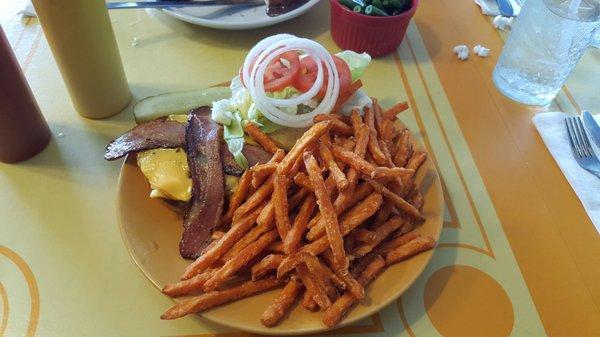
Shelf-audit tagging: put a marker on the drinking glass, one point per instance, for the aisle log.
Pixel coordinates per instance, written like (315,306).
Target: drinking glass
(546,42)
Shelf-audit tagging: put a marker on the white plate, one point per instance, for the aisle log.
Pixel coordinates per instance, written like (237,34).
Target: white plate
(234,17)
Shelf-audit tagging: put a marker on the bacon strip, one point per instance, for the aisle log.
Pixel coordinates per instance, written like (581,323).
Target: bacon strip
(158,133)
(208,193)
(166,134)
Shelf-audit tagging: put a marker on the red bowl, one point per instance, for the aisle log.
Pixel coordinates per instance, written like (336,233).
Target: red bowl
(376,35)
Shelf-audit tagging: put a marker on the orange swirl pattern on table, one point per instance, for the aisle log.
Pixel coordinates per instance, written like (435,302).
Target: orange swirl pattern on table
(5,310)
(34,294)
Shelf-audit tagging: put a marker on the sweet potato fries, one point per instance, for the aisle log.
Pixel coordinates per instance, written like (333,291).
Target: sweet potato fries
(324,220)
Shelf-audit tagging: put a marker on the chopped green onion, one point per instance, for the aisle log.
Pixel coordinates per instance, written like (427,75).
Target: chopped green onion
(377,7)
(398,4)
(374,11)
(377,3)
(348,3)
(351,4)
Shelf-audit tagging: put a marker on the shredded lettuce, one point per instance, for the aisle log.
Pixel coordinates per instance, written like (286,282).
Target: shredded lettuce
(241,102)
(285,93)
(256,117)
(222,112)
(234,129)
(234,137)
(240,97)
(236,84)
(356,62)
(235,146)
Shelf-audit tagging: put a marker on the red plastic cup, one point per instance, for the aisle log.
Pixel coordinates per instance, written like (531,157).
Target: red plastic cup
(376,35)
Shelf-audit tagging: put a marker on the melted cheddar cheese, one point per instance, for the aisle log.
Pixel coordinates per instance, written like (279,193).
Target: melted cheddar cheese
(167,172)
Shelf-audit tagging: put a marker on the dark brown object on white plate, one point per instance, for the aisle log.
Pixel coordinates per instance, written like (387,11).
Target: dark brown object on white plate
(278,7)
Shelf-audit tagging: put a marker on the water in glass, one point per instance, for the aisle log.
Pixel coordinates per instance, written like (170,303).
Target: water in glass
(548,39)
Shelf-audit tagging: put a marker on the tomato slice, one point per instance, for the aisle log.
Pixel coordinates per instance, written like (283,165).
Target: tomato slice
(278,75)
(281,74)
(344,74)
(308,75)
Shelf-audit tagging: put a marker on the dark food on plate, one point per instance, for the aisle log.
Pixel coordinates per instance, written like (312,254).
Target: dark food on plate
(205,207)
(164,133)
(377,7)
(278,7)
(159,133)
(324,216)
(202,139)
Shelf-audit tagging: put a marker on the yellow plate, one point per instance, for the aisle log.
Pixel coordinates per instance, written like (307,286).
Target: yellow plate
(151,231)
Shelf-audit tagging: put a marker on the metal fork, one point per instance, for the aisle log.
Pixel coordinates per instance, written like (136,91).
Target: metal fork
(581,147)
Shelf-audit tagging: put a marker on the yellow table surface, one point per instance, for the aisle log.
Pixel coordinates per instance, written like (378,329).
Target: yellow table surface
(518,255)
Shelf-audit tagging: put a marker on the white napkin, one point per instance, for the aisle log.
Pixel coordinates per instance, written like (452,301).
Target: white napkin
(551,126)
(28,10)
(490,7)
